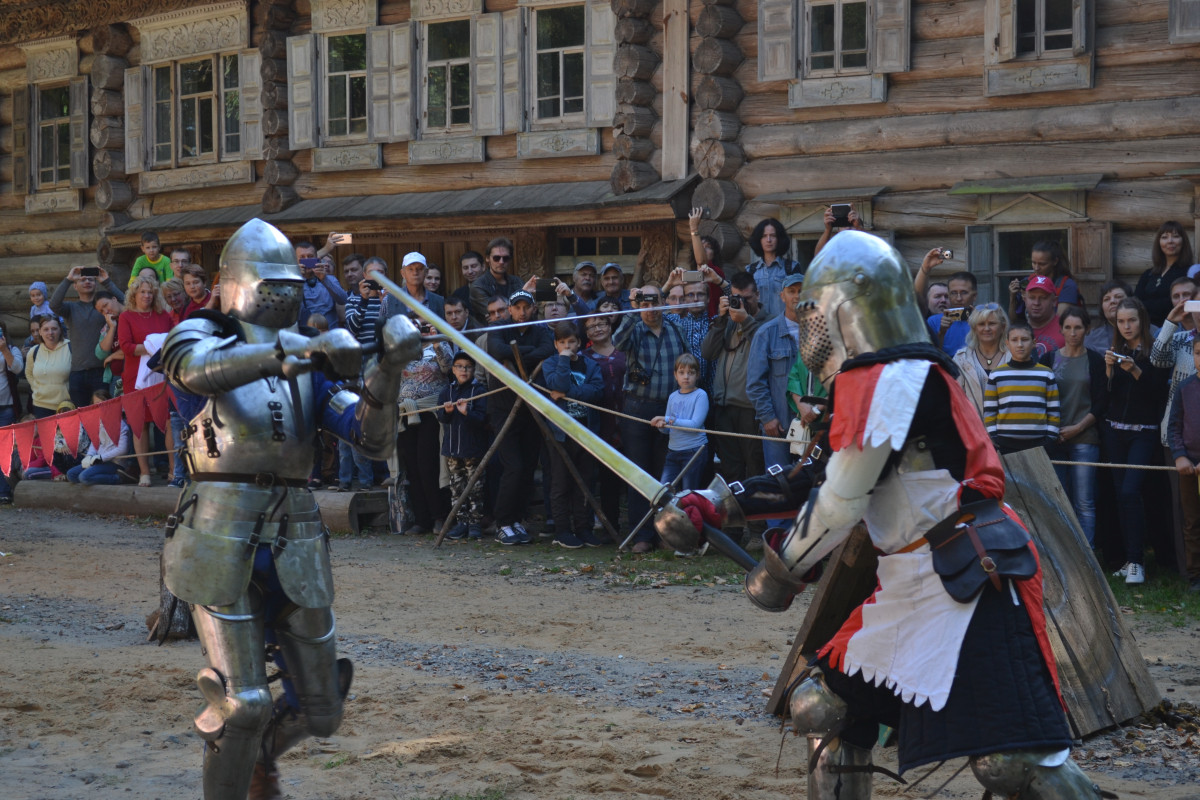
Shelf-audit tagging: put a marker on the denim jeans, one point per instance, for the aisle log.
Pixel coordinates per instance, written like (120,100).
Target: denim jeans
(101,474)
(677,460)
(1079,482)
(1131,447)
(350,461)
(83,383)
(6,418)
(177,426)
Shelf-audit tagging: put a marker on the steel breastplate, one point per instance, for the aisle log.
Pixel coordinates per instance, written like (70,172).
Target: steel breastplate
(263,427)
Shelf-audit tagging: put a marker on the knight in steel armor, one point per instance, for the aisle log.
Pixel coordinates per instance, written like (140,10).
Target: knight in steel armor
(246,547)
(958,663)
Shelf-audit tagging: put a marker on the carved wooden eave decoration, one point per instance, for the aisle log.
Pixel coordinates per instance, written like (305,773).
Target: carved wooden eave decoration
(51,59)
(1024,200)
(195,31)
(329,16)
(22,20)
(444,9)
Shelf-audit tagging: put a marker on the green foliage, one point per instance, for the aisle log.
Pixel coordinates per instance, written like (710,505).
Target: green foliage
(1164,598)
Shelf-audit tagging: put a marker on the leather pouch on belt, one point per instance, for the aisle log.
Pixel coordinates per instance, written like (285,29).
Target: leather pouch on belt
(980,544)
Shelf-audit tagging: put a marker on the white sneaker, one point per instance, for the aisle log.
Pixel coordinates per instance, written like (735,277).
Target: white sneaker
(1136,574)
(1123,571)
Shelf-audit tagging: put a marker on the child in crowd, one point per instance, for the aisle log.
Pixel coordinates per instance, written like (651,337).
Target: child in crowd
(464,442)
(687,408)
(100,463)
(569,376)
(318,323)
(39,303)
(362,316)
(1183,437)
(1020,402)
(152,258)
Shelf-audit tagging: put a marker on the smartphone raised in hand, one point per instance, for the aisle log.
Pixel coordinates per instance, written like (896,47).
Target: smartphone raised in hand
(841,215)
(89,272)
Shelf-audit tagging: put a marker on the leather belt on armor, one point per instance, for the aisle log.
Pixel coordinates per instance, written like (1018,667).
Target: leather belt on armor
(263,480)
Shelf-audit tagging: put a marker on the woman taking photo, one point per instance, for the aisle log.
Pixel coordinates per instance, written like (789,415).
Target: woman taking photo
(145,314)
(1083,398)
(48,368)
(1171,256)
(1048,260)
(1137,396)
(985,349)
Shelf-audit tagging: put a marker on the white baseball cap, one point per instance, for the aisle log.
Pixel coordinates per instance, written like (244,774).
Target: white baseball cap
(414,258)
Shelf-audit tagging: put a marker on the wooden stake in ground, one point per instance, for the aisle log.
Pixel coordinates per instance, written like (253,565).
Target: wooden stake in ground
(1102,673)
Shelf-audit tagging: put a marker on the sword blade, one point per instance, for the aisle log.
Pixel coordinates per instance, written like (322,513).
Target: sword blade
(641,481)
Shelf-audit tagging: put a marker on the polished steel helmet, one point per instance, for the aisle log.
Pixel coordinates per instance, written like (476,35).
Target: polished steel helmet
(858,298)
(260,279)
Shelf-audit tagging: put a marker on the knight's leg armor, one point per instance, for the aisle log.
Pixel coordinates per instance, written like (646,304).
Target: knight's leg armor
(319,679)
(840,770)
(1034,775)
(234,686)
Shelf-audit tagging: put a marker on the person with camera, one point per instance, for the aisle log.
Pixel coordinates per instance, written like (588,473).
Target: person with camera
(362,310)
(86,323)
(695,322)
(1048,260)
(950,328)
(651,343)
(321,291)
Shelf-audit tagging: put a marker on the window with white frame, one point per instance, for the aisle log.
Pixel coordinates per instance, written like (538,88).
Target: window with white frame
(833,52)
(447,57)
(196,111)
(53,136)
(345,60)
(559,45)
(837,37)
(1043,26)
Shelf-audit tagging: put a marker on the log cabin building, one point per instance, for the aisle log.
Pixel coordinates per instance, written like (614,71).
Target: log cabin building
(587,128)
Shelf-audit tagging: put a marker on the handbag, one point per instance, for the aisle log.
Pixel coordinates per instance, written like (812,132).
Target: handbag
(980,544)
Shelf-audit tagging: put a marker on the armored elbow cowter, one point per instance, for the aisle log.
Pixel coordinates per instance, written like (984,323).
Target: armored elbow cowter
(376,408)
(201,358)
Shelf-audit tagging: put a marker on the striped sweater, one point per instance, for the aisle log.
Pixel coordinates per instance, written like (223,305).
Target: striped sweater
(1021,401)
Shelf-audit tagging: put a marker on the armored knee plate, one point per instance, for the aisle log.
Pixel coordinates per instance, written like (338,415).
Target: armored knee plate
(813,707)
(841,772)
(246,711)
(1034,775)
(288,727)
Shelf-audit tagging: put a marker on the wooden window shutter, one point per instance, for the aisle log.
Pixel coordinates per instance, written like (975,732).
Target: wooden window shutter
(891,36)
(1079,26)
(302,91)
(81,162)
(777,38)
(379,83)
(1183,21)
(600,75)
(512,32)
(20,124)
(137,81)
(980,260)
(999,31)
(1090,246)
(250,93)
(488,83)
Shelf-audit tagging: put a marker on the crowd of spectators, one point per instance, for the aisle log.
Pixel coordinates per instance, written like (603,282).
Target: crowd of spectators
(700,351)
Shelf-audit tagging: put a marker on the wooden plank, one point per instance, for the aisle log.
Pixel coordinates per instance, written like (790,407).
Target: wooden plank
(676,91)
(1103,674)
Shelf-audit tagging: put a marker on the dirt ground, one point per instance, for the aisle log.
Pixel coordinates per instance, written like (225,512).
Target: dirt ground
(482,672)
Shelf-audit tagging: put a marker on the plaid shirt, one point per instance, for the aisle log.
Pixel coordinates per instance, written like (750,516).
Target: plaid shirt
(695,328)
(655,355)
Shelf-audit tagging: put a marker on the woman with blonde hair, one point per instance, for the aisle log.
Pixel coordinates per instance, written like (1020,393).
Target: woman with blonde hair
(984,350)
(144,314)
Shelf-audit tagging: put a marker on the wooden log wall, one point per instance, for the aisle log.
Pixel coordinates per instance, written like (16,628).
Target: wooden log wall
(1136,124)
(637,62)
(273,20)
(716,153)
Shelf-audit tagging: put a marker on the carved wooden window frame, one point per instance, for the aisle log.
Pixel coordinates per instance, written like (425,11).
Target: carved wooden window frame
(837,70)
(323,51)
(217,95)
(599,83)
(49,64)
(1007,71)
(59,124)
(450,128)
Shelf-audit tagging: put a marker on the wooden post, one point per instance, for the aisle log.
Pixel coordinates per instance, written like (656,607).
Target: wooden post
(676,92)
(1103,675)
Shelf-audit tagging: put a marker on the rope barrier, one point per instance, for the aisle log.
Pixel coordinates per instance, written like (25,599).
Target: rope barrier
(1112,466)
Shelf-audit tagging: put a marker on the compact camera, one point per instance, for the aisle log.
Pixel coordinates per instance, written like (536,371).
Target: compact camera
(637,375)
(947,254)
(735,301)
(958,314)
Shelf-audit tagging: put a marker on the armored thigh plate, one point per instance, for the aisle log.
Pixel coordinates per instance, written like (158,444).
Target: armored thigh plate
(210,556)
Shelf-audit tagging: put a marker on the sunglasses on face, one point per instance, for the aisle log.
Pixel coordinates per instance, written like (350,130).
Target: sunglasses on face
(502,258)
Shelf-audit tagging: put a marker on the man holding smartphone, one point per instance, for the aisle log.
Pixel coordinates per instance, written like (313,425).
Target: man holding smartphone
(322,294)
(85,324)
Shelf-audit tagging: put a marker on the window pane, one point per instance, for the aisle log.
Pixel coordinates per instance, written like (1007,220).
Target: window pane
(547,74)
(854,60)
(566,246)
(348,53)
(1059,42)
(460,116)
(229,72)
(572,83)
(585,246)
(358,104)
(337,105)
(232,119)
(1058,15)
(854,26)
(822,31)
(608,246)
(46,153)
(437,97)
(460,85)
(560,27)
(55,103)
(195,77)
(64,147)
(206,125)
(1026,26)
(449,40)
(631,245)
(187,128)
(162,83)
